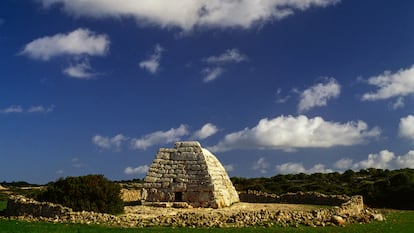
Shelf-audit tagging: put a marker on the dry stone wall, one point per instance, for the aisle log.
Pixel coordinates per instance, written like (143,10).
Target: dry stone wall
(191,174)
(130,195)
(20,206)
(313,198)
(351,211)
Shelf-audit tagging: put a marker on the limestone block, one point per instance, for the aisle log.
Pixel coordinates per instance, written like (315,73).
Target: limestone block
(150,179)
(187,144)
(165,179)
(165,185)
(152,185)
(179,187)
(186,149)
(171,175)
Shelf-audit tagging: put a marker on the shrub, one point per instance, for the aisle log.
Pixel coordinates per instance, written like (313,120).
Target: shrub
(90,193)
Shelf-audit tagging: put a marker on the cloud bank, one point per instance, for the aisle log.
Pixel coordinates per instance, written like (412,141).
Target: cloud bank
(289,133)
(189,14)
(292,168)
(385,159)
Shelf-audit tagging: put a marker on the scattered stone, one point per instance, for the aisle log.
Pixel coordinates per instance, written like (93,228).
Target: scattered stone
(378,217)
(338,220)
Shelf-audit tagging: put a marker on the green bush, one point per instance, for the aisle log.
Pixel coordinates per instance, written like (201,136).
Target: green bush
(90,193)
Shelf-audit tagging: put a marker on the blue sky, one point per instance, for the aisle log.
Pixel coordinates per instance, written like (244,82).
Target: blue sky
(270,86)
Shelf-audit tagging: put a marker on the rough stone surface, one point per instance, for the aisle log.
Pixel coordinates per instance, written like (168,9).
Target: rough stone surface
(130,195)
(238,215)
(188,173)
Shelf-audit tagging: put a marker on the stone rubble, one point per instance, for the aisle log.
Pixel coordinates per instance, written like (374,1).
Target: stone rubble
(22,208)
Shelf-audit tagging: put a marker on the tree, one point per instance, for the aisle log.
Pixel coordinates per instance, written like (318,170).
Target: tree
(90,193)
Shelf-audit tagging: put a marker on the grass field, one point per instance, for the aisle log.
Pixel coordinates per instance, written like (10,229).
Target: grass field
(3,205)
(397,222)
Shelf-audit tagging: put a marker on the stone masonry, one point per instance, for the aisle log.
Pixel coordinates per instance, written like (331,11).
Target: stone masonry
(188,174)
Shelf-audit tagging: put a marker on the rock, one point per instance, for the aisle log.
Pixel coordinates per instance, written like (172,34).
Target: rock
(378,217)
(338,220)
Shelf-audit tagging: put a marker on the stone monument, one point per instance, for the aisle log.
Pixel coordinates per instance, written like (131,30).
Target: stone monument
(188,174)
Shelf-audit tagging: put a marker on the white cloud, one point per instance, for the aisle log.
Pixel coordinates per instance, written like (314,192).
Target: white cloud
(293,168)
(281,99)
(206,131)
(229,56)
(136,170)
(229,167)
(400,83)
(343,164)
(77,163)
(108,142)
(399,103)
(261,165)
(318,95)
(212,73)
(381,160)
(31,109)
(219,62)
(189,14)
(12,109)
(406,127)
(81,70)
(152,64)
(289,133)
(160,137)
(290,168)
(79,42)
(40,109)
(60,171)
(385,159)
(405,161)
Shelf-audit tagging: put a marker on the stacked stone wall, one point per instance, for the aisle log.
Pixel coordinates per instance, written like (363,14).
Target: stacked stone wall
(20,206)
(131,195)
(313,198)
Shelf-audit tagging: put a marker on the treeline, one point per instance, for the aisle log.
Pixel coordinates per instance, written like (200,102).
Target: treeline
(380,188)
(17,184)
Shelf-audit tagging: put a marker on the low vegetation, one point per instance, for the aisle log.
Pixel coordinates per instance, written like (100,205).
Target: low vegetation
(380,188)
(91,193)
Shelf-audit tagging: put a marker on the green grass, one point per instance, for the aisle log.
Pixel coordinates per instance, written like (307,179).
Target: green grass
(3,205)
(397,222)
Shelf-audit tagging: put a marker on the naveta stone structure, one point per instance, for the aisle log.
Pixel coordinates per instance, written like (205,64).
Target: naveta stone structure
(188,174)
